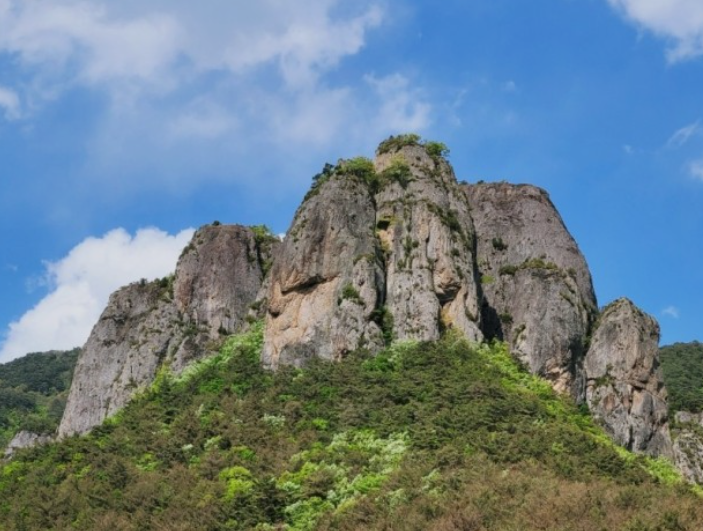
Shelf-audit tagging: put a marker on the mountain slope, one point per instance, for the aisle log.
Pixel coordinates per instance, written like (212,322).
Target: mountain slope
(435,435)
(33,392)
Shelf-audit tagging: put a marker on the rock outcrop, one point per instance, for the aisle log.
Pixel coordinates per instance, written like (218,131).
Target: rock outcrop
(538,293)
(624,384)
(26,439)
(376,251)
(388,249)
(327,280)
(427,236)
(688,445)
(173,321)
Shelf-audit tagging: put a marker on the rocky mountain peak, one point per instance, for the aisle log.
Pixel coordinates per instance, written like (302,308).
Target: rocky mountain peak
(385,250)
(169,321)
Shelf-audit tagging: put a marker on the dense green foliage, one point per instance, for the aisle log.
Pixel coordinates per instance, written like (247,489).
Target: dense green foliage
(33,391)
(682,366)
(443,436)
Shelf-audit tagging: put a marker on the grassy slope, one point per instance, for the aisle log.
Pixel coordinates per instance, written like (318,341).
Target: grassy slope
(33,391)
(437,436)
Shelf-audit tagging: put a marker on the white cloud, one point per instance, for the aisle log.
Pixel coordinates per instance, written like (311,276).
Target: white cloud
(680,22)
(402,108)
(165,43)
(10,103)
(695,169)
(671,311)
(683,135)
(194,90)
(82,282)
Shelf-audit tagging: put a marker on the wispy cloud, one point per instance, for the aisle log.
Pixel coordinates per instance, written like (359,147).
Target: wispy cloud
(671,311)
(81,282)
(679,22)
(695,169)
(9,103)
(683,135)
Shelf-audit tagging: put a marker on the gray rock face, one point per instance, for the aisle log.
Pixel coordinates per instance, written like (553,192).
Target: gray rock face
(173,321)
(218,275)
(624,385)
(538,293)
(388,243)
(26,439)
(427,236)
(136,333)
(688,445)
(326,280)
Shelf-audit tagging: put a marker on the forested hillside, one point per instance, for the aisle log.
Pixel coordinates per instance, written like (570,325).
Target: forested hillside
(682,365)
(33,391)
(433,435)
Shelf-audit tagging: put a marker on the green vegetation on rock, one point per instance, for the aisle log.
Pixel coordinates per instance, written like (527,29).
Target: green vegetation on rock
(443,435)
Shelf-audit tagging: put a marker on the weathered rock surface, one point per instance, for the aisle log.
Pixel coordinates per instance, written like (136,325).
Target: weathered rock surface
(170,321)
(26,439)
(327,280)
(624,384)
(218,276)
(427,236)
(393,248)
(688,445)
(538,293)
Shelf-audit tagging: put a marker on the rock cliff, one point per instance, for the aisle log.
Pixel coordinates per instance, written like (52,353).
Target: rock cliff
(624,384)
(327,279)
(538,293)
(170,321)
(427,236)
(382,250)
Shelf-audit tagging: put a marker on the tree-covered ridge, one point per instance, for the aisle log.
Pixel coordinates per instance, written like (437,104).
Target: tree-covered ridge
(33,391)
(682,366)
(444,436)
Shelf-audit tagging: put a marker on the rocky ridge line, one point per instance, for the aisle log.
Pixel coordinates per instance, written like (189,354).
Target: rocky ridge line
(389,249)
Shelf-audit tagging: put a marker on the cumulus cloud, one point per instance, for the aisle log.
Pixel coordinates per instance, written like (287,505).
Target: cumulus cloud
(683,135)
(671,311)
(81,283)
(193,91)
(163,44)
(680,22)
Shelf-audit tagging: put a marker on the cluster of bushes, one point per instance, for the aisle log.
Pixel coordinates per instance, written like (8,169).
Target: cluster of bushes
(442,435)
(398,170)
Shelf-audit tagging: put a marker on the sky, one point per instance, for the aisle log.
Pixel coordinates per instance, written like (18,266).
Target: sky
(126,125)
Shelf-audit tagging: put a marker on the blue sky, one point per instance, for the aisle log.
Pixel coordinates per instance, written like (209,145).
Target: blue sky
(124,125)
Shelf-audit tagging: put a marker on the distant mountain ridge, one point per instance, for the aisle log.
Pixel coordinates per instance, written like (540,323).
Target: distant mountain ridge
(33,392)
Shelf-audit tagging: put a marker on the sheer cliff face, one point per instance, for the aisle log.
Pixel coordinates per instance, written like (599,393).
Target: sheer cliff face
(624,384)
(148,324)
(427,237)
(390,249)
(538,294)
(327,279)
